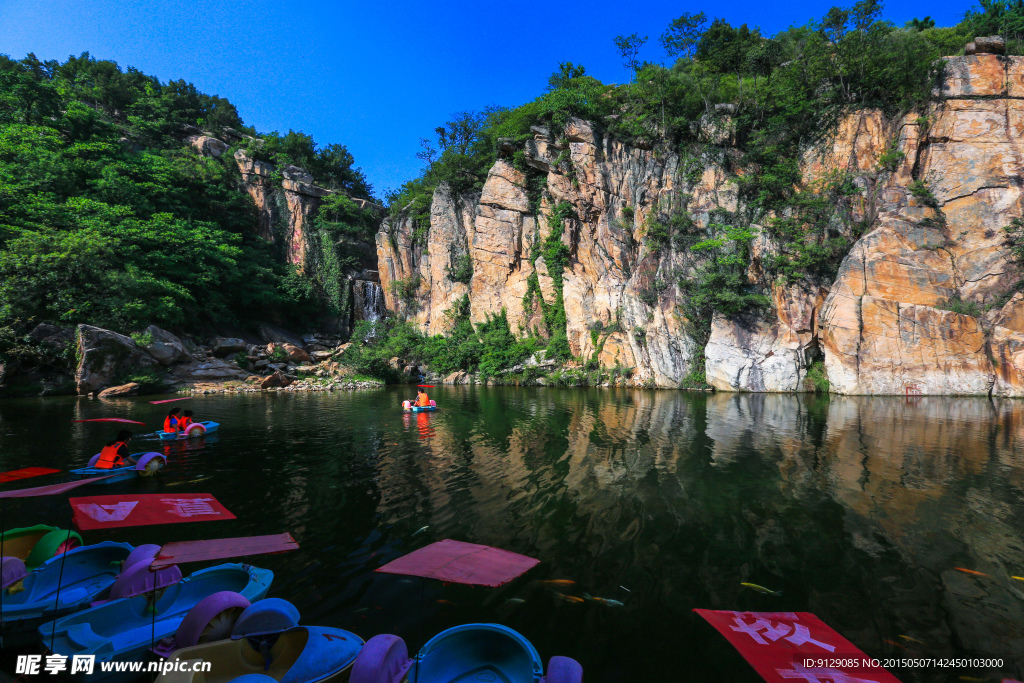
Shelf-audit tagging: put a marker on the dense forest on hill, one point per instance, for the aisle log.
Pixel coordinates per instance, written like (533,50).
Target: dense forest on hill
(776,95)
(109,217)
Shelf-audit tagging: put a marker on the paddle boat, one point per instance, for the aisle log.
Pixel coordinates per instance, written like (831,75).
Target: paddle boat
(59,586)
(37,544)
(471,652)
(193,430)
(408,406)
(265,640)
(146,465)
(123,629)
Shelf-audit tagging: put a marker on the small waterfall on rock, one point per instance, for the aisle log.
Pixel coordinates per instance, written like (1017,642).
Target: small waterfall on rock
(368,300)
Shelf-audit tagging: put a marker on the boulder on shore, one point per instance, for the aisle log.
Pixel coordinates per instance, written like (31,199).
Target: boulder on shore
(166,348)
(105,356)
(224,346)
(278,379)
(212,369)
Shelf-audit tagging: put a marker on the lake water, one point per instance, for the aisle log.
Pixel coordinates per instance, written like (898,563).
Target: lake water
(857,509)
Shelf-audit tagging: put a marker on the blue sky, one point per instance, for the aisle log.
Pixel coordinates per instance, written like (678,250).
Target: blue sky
(375,76)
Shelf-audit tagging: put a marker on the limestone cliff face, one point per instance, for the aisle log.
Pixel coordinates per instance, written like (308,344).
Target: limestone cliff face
(934,241)
(611,189)
(284,212)
(883,330)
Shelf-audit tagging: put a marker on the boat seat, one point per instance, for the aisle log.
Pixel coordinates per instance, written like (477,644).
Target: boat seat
(12,570)
(284,652)
(83,636)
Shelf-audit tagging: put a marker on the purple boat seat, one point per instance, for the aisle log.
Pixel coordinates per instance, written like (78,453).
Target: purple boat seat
(270,615)
(384,659)
(136,579)
(564,670)
(12,570)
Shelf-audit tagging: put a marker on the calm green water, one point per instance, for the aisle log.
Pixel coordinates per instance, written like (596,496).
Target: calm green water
(856,509)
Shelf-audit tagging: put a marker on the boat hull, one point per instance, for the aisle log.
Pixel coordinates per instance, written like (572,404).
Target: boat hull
(211,427)
(124,629)
(308,654)
(87,573)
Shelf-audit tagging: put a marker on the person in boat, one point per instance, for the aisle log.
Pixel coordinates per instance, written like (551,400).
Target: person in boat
(422,400)
(115,453)
(185,421)
(172,422)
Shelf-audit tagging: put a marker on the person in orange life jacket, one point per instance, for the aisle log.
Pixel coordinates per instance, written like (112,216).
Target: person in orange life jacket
(171,421)
(185,421)
(421,399)
(115,453)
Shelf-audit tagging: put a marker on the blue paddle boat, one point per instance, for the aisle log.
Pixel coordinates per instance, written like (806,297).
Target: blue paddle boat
(409,406)
(193,430)
(265,639)
(463,654)
(146,464)
(123,629)
(32,598)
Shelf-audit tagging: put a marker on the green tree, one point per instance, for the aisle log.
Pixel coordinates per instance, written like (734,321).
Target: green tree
(680,39)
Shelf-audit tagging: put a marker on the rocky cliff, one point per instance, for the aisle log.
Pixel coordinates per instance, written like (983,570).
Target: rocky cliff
(921,304)
(287,200)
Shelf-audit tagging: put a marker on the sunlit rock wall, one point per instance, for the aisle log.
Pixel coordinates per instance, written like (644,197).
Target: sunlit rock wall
(934,241)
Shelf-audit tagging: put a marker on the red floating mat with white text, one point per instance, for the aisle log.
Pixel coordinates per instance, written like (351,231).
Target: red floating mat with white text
(108,512)
(25,473)
(795,646)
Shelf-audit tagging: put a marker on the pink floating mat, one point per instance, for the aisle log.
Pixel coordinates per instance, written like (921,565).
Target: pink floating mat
(123,420)
(25,473)
(458,562)
(222,549)
(171,400)
(144,509)
(795,646)
(52,489)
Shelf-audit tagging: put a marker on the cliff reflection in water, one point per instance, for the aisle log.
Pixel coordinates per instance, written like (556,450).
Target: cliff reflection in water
(858,509)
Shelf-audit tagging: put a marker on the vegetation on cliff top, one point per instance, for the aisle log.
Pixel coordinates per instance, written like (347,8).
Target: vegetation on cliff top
(774,96)
(107,216)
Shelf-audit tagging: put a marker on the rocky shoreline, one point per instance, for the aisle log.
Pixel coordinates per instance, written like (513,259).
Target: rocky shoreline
(108,364)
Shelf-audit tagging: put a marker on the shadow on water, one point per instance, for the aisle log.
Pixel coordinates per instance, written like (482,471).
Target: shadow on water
(857,509)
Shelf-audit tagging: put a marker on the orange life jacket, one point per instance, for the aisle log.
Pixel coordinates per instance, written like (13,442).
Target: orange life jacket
(423,400)
(170,424)
(109,457)
(184,422)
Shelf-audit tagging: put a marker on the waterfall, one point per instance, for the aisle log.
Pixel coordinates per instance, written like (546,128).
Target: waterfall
(368,300)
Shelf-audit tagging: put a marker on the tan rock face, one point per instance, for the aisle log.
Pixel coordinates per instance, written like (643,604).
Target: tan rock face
(881,326)
(298,195)
(882,330)
(753,355)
